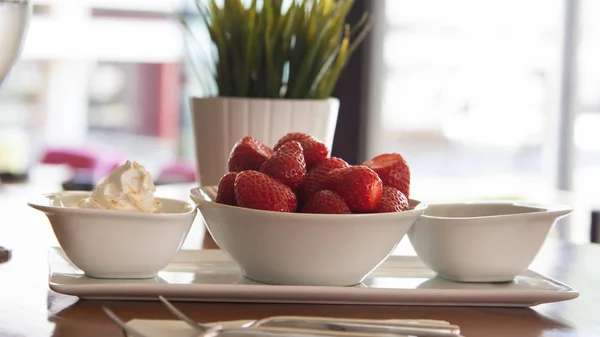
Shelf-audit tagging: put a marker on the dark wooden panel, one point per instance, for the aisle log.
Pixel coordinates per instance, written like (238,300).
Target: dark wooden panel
(595,226)
(351,90)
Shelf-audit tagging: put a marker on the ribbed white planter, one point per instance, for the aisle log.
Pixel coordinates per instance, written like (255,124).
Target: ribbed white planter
(219,122)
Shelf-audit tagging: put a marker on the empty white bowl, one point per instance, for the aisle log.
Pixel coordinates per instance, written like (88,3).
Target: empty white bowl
(305,249)
(482,241)
(117,244)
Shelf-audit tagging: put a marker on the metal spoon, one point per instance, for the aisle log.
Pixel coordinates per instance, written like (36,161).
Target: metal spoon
(127,330)
(418,328)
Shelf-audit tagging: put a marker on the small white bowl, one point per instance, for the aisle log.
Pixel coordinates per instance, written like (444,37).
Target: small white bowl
(482,241)
(117,244)
(305,249)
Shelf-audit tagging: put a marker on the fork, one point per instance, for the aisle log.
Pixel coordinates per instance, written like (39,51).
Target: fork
(419,328)
(127,330)
(255,332)
(236,332)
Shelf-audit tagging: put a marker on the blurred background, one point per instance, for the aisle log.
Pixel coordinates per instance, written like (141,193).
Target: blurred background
(494,99)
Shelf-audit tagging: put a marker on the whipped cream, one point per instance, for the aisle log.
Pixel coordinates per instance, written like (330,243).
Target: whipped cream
(129,187)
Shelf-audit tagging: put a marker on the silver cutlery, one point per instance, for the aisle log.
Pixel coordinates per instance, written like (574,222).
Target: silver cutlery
(398,327)
(192,323)
(127,330)
(288,326)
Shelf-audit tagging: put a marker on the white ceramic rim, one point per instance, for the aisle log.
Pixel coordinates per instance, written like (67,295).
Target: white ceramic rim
(191,208)
(541,209)
(420,207)
(258,99)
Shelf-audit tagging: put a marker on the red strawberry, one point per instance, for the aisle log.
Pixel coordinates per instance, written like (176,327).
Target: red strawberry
(360,187)
(392,200)
(286,165)
(326,202)
(257,190)
(393,171)
(316,179)
(314,150)
(248,154)
(225,191)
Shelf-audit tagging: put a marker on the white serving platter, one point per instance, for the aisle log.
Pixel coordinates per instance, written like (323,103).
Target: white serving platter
(211,276)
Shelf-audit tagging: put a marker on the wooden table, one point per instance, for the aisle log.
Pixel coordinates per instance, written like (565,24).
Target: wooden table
(29,308)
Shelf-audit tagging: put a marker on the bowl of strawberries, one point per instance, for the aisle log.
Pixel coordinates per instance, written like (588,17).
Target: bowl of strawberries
(294,215)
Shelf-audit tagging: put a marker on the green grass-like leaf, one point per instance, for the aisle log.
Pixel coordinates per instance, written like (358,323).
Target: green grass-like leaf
(280,49)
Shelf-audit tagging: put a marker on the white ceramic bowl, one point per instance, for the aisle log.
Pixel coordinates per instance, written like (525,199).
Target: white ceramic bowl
(117,244)
(482,241)
(305,249)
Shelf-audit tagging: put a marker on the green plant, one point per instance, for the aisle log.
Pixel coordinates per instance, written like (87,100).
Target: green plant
(280,49)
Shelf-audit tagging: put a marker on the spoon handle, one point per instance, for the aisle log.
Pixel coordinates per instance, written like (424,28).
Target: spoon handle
(292,332)
(397,327)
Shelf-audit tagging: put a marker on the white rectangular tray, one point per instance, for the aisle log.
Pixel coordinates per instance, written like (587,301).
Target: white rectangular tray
(210,275)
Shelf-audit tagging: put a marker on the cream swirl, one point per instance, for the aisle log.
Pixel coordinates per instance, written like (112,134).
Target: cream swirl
(129,187)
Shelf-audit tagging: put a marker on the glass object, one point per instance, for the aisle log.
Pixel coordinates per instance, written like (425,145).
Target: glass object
(14,20)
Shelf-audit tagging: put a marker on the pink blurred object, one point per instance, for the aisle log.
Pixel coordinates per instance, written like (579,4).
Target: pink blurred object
(95,161)
(178,172)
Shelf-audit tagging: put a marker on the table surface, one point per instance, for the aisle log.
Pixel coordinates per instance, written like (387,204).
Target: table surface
(29,308)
